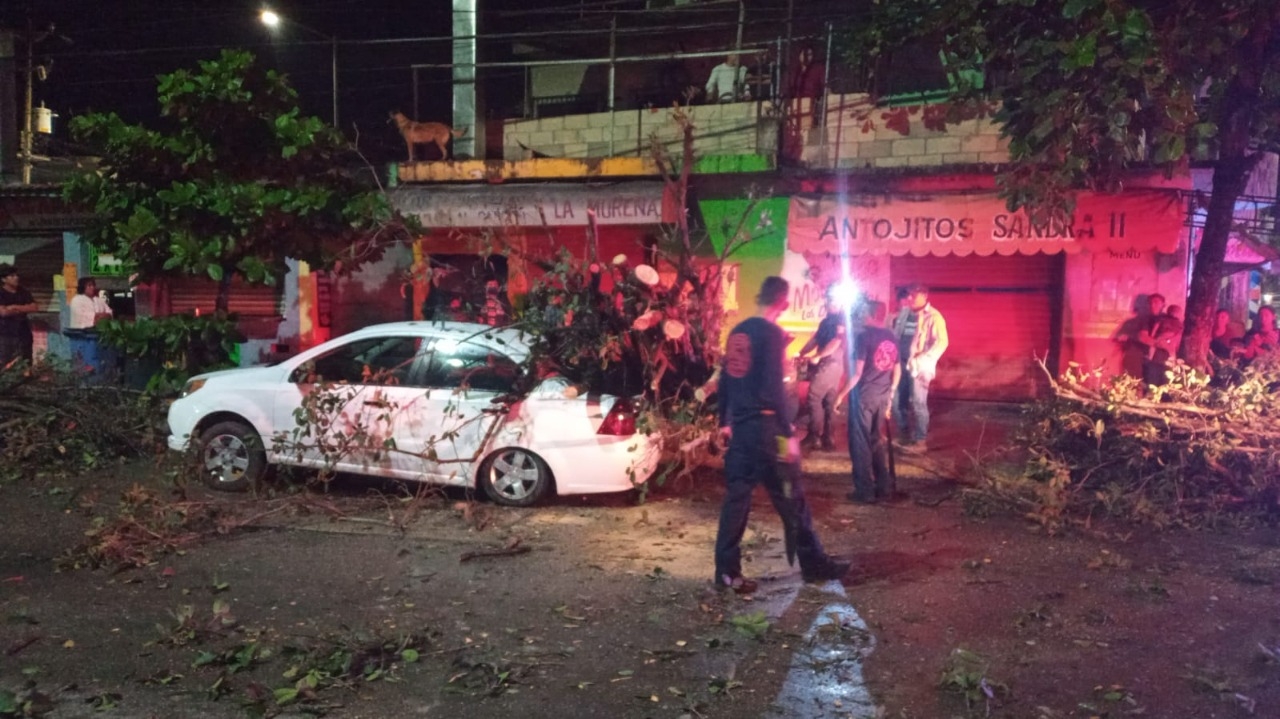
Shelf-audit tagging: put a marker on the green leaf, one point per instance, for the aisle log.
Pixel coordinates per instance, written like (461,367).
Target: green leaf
(286,695)
(1086,51)
(215,272)
(1075,8)
(409,655)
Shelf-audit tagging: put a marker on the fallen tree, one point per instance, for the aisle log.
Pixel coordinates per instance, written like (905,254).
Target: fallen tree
(52,422)
(1197,451)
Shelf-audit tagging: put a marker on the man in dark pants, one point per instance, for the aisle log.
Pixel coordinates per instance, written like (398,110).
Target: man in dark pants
(754,419)
(871,388)
(824,387)
(904,326)
(15,329)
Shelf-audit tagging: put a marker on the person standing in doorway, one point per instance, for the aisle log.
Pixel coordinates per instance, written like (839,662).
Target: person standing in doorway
(870,390)
(927,345)
(828,344)
(15,328)
(755,421)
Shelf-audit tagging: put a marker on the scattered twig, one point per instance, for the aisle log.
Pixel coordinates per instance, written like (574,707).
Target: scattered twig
(25,642)
(513,548)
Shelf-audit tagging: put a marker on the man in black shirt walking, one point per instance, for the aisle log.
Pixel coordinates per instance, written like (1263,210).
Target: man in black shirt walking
(755,420)
(870,390)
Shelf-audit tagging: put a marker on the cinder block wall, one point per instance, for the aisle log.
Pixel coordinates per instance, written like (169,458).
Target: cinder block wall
(845,143)
(728,129)
(745,128)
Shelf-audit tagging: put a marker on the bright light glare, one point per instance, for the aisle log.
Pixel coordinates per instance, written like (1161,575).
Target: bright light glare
(445,346)
(844,293)
(269,18)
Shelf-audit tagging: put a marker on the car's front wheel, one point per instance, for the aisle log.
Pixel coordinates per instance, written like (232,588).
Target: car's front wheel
(231,456)
(515,477)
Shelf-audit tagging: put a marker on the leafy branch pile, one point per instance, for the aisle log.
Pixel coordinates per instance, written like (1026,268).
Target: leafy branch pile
(653,334)
(1197,451)
(50,420)
(250,662)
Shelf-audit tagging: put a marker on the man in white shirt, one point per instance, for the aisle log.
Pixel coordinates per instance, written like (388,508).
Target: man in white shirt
(728,82)
(87,308)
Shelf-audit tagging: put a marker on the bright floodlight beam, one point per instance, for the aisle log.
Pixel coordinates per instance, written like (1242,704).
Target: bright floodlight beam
(269,18)
(845,293)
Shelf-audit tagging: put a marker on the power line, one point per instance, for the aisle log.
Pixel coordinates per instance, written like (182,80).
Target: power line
(432,39)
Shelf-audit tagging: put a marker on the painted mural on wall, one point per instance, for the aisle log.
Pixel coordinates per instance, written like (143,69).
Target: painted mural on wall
(811,273)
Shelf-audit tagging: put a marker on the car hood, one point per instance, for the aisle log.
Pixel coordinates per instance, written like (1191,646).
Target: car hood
(240,374)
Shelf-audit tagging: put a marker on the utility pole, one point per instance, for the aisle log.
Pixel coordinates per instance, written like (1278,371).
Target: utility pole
(33,72)
(28,139)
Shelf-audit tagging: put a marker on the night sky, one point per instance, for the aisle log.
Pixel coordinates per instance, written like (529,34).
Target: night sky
(106,54)
(118,47)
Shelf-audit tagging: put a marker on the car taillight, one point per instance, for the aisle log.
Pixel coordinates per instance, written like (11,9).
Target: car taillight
(621,420)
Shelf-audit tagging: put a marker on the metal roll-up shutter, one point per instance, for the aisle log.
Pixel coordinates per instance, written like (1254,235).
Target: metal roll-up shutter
(37,267)
(247,300)
(1001,312)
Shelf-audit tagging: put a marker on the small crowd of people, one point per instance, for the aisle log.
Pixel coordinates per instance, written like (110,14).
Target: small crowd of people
(730,81)
(1261,340)
(757,419)
(1150,339)
(87,308)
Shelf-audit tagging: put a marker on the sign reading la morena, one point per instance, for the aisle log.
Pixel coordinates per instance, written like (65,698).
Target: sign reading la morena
(632,203)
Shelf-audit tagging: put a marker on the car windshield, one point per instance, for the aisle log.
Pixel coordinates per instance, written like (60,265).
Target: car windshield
(370,360)
(471,366)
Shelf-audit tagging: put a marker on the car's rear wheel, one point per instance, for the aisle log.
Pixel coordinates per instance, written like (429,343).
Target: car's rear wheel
(231,456)
(515,477)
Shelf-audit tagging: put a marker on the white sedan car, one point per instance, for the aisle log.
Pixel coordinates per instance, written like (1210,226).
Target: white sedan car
(422,401)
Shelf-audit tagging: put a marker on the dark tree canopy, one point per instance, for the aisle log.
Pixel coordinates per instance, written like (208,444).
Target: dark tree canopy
(1087,90)
(234,181)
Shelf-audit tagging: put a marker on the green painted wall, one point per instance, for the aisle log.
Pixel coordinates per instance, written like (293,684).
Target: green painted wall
(762,255)
(732,164)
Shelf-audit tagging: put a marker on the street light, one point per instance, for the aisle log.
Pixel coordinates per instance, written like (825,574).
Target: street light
(273,20)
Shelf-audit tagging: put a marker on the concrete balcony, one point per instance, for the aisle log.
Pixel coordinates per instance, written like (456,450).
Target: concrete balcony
(730,129)
(850,134)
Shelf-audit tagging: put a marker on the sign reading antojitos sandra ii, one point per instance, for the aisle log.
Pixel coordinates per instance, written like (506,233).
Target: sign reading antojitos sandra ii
(964,224)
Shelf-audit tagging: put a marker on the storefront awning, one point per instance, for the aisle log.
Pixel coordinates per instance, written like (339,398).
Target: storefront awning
(550,204)
(1246,253)
(965,224)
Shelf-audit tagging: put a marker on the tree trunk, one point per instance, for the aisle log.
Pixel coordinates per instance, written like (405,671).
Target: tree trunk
(1239,110)
(1230,176)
